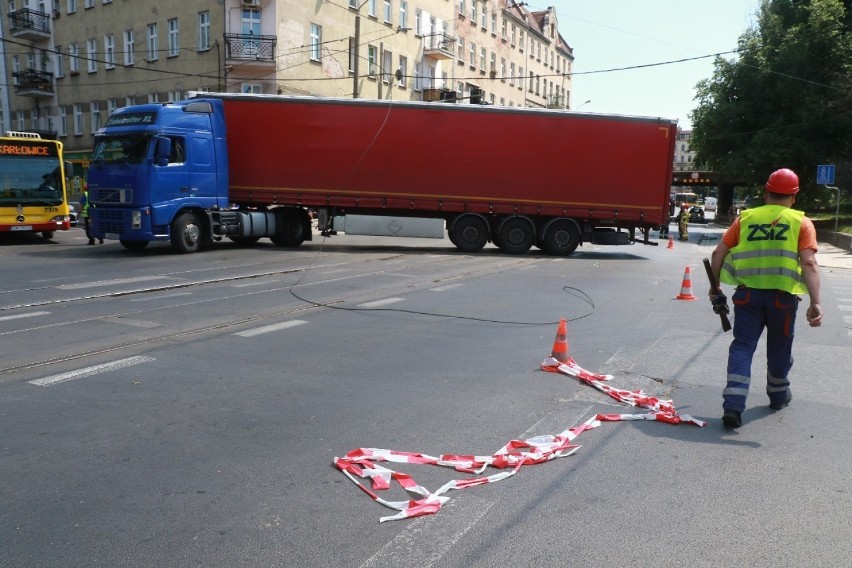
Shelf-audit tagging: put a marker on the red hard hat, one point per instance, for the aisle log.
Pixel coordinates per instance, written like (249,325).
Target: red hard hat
(783,181)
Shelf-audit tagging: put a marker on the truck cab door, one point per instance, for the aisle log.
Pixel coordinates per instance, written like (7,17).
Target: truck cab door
(203,173)
(170,179)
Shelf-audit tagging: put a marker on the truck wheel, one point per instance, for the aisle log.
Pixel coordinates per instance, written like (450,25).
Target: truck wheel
(470,233)
(516,236)
(133,245)
(561,238)
(186,233)
(294,226)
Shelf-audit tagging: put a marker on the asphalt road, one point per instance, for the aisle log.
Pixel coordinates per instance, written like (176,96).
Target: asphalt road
(168,410)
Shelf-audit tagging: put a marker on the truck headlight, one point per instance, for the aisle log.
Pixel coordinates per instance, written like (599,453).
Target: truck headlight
(136,219)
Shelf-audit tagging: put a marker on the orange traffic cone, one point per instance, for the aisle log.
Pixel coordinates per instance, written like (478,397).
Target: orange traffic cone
(686,287)
(671,242)
(560,345)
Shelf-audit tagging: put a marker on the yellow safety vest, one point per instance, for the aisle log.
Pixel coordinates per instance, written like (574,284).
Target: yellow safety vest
(767,255)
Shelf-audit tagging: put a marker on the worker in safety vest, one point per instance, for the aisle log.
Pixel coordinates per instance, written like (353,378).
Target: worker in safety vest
(683,222)
(769,254)
(84,213)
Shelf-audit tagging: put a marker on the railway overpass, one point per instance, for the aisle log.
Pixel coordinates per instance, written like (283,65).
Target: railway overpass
(683,181)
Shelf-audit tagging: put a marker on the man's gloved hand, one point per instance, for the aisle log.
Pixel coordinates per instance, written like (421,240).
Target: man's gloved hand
(720,303)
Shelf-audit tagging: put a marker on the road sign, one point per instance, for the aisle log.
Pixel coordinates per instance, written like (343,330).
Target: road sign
(825,174)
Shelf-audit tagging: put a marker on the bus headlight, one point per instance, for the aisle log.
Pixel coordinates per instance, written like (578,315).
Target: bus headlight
(136,219)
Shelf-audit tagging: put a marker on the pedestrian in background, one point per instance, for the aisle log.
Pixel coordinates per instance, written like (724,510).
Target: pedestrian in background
(769,254)
(683,223)
(84,213)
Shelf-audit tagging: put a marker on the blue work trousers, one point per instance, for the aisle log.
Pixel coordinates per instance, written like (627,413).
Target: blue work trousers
(755,310)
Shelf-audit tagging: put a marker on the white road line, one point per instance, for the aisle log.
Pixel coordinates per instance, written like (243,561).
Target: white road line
(146,324)
(98,283)
(27,315)
(89,371)
(270,328)
(378,303)
(163,297)
(445,288)
(845,308)
(260,283)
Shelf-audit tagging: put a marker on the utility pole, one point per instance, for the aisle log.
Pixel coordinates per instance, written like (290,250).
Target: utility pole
(355,55)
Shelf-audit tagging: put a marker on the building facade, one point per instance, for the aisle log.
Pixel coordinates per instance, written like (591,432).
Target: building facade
(69,63)
(684,158)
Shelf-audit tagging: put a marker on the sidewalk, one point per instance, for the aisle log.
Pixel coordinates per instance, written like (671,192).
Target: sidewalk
(831,256)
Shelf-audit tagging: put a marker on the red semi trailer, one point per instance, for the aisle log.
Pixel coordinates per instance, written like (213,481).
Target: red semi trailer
(516,177)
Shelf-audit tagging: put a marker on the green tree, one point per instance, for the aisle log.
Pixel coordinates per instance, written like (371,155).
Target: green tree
(786,100)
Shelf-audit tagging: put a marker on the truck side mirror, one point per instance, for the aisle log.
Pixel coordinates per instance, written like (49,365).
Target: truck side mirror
(162,151)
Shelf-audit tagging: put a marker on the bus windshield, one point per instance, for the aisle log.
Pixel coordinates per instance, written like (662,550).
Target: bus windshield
(30,180)
(126,149)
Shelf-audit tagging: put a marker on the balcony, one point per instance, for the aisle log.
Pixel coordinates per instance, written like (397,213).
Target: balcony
(438,46)
(29,24)
(32,83)
(250,47)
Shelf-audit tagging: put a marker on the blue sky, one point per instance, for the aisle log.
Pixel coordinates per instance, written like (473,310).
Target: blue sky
(607,34)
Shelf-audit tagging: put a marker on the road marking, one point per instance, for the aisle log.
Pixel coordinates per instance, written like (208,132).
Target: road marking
(378,303)
(445,288)
(28,315)
(89,371)
(414,546)
(133,322)
(846,308)
(261,283)
(98,283)
(164,297)
(270,328)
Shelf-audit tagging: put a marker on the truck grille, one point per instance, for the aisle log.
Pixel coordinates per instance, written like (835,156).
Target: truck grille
(112,220)
(113,196)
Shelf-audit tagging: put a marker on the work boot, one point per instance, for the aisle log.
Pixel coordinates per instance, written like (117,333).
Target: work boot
(781,404)
(91,241)
(101,241)
(732,418)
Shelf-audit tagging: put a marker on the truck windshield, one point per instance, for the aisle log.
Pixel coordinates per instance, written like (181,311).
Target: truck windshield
(129,149)
(30,180)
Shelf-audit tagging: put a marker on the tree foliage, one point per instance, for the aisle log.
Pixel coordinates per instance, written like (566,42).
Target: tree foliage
(785,100)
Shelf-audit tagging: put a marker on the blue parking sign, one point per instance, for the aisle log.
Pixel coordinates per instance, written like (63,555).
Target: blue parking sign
(825,174)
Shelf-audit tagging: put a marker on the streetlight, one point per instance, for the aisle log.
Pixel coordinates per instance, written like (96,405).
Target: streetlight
(584,104)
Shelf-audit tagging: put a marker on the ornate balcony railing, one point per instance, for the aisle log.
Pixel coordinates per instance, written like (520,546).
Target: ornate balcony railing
(32,83)
(250,47)
(439,46)
(26,23)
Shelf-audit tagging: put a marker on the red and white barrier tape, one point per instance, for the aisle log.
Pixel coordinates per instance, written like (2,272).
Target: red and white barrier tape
(363,463)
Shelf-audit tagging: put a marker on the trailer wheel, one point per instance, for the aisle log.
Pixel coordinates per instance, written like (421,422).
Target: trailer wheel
(561,238)
(186,233)
(470,233)
(516,235)
(293,229)
(133,245)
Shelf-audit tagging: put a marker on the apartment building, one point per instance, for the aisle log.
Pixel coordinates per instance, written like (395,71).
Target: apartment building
(69,63)
(684,157)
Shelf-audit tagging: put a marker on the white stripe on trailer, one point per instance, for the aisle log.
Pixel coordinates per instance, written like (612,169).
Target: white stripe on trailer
(270,328)
(89,371)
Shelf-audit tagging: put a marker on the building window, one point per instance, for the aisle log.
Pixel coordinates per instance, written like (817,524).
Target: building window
(73,59)
(403,69)
(371,8)
(372,58)
(72,6)
(91,54)
(351,54)
(483,16)
(109,51)
(153,98)
(174,96)
(511,73)
(472,60)
(130,100)
(89,4)
(387,66)
(112,104)
(58,66)
(251,88)
(203,31)
(418,20)
(482,55)
(78,119)
(95,108)
(461,8)
(129,46)
(174,38)
(387,12)
(316,42)
(62,125)
(152,42)
(461,49)
(417,73)
(403,14)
